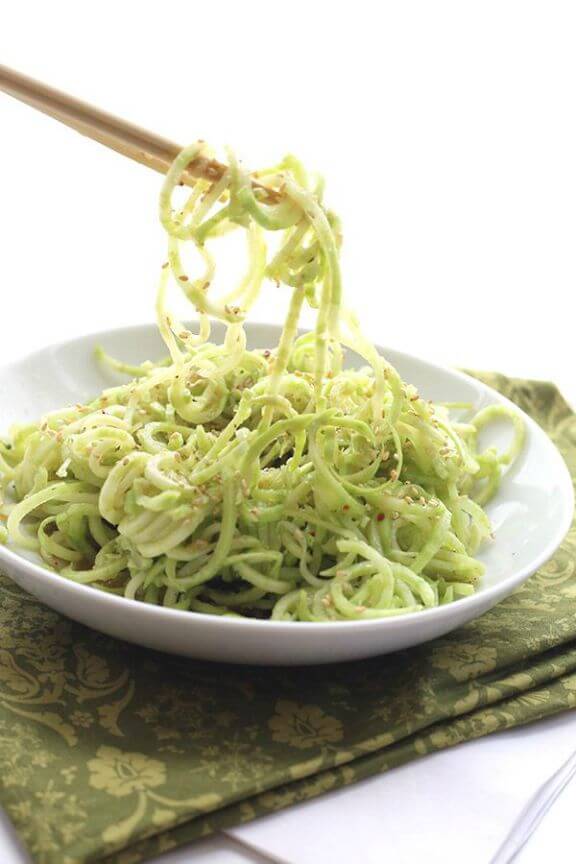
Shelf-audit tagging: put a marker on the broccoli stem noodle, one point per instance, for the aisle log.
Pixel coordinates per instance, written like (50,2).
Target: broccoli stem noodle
(275,484)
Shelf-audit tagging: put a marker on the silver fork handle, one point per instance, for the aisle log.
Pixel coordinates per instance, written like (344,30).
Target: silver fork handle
(534,812)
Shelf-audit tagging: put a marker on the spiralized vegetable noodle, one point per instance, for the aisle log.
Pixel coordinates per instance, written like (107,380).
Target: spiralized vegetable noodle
(271,484)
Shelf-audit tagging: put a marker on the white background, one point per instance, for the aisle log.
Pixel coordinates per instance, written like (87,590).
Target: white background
(446,132)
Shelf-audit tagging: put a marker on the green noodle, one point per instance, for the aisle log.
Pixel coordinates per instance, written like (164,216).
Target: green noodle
(272,484)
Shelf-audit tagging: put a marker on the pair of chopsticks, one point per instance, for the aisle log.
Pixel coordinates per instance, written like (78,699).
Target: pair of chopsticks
(132,141)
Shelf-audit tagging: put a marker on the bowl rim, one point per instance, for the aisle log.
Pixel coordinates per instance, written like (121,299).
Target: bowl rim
(480,599)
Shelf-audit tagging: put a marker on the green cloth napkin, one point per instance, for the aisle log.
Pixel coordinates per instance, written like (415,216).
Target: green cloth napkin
(112,752)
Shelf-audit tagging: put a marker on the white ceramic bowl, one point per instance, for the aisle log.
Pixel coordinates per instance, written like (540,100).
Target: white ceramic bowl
(531,514)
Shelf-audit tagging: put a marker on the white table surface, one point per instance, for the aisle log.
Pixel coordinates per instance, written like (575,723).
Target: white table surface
(459,228)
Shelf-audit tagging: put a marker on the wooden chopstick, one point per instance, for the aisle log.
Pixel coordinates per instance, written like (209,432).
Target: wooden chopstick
(126,138)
